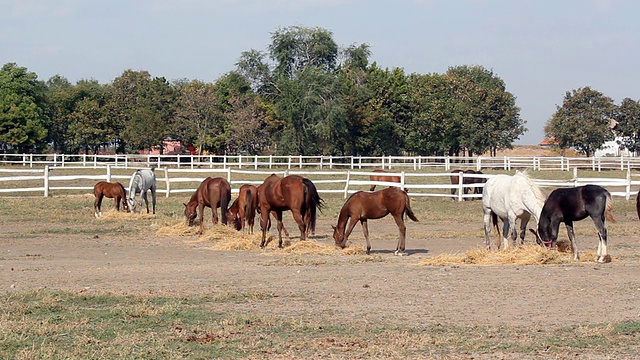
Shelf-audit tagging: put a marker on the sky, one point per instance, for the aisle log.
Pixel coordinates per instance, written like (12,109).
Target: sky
(540,48)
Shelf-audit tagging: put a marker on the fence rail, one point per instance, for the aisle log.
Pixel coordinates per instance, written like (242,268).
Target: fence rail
(172,181)
(322,162)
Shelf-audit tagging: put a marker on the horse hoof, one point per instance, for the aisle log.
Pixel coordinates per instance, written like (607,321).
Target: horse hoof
(604,259)
(400,253)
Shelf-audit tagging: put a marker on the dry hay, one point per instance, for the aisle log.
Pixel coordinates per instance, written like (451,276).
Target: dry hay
(177,229)
(123,215)
(522,255)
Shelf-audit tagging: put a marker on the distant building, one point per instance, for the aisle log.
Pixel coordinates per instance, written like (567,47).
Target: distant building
(173,147)
(549,142)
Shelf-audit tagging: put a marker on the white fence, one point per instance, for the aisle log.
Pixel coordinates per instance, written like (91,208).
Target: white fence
(63,180)
(322,162)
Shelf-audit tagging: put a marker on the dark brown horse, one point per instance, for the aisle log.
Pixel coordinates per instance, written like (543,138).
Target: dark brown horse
(243,210)
(293,193)
(566,205)
(113,191)
(213,193)
(363,205)
(385,178)
(455,180)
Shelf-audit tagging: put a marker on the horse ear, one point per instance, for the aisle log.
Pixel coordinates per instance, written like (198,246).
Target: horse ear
(334,228)
(185,205)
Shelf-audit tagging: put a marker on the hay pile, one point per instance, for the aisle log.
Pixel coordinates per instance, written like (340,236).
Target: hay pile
(223,237)
(523,255)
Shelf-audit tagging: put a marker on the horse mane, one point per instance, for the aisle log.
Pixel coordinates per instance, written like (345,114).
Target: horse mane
(534,187)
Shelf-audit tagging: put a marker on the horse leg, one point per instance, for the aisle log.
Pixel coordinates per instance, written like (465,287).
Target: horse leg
(201,217)
(143,195)
(402,228)
(301,224)
(505,234)
(116,200)
(265,225)
(365,231)
(97,211)
(278,215)
(523,226)
(602,257)
(487,229)
(153,199)
(572,238)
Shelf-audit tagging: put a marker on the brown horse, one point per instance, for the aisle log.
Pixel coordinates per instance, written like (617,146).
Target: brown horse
(385,178)
(213,193)
(363,205)
(293,193)
(243,209)
(113,191)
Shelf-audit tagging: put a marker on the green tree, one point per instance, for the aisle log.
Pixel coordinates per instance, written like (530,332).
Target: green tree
(144,109)
(583,121)
(627,116)
(23,110)
(198,113)
(486,116)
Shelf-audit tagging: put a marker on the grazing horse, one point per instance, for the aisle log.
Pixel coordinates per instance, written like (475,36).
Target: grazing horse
(142,181)
(385,178)
(510,198)
(113,191)
(363,205)
(293,193)
(213,193)
(243,209)
(574,204)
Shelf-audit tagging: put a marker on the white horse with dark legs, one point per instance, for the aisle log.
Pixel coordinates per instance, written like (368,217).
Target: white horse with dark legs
(510,198)
(142,181)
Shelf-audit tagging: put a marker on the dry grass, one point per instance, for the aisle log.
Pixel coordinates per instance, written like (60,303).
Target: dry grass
(122,215)
(522,255)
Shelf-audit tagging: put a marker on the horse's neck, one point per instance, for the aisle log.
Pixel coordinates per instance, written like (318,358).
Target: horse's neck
(342,218)
(133,188)
(534,206)
(194,197)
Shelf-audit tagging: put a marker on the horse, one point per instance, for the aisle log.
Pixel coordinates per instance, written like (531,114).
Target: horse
(243,209)
(510,198)
(363,205)
(455,180)
(294,193)
(574,204)
(385,178)
(213,193)
(113,191)
(142,181)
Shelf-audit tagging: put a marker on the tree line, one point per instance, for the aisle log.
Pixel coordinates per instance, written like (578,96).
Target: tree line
(302,95)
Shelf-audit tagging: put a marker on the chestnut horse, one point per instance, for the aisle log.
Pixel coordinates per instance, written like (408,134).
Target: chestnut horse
(385,178)
(113,191)
(213,193)
(293,193)
(363,205)
(243,210)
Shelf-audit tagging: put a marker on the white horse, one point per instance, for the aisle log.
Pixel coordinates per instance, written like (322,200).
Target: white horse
(510,198)
(142,181)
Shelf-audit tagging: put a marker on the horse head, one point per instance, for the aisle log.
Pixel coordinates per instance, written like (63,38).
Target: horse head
(190,212)
(543,241)
(339,238)
(131,205)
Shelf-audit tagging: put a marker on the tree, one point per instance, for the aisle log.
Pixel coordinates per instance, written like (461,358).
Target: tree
(486,116)
(295,48)
(144,109)
(23,110)
(197,111)
(583,121)
(627,116)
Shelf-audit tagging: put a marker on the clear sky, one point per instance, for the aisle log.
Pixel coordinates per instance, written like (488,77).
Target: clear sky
(540,48)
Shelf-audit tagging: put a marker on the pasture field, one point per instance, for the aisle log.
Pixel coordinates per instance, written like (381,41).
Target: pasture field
(78,287)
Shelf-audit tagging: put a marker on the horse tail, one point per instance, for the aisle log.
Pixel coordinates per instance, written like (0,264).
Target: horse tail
(494,221)
(407,208)
(313,202)
(225,197)
(607,209)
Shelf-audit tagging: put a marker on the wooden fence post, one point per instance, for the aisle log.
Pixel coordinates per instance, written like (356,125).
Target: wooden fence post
(167,181)
(628,187)
(460,185)
(346,185)
(402,181)
(108,172)
(46,181)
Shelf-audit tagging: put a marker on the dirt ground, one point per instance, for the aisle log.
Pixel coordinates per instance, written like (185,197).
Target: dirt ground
(390,289)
